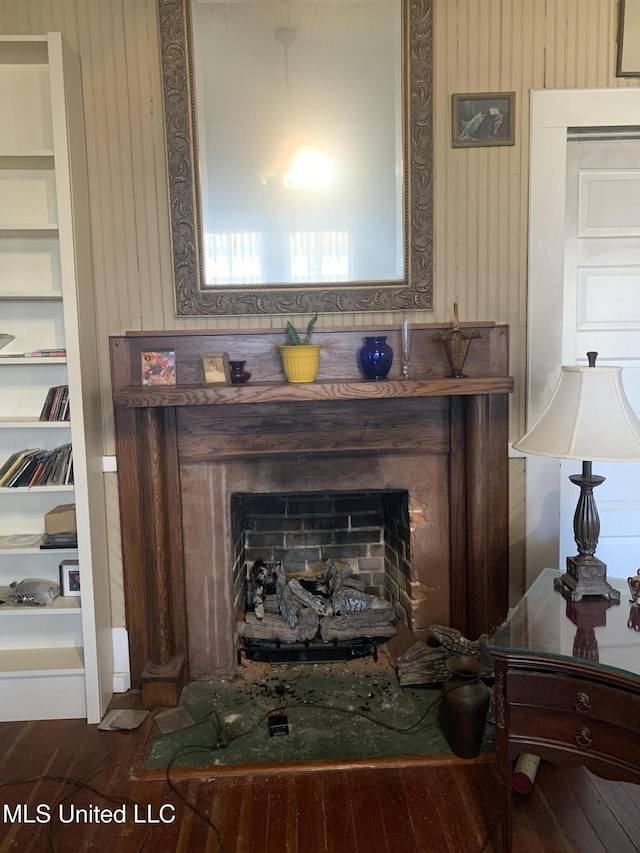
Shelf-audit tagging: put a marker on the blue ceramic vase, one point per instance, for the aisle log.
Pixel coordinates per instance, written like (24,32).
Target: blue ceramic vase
(376,357)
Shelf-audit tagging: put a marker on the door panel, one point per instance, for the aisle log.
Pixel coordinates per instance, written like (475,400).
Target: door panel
(601,312)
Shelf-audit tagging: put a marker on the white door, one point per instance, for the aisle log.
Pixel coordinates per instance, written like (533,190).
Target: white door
(601,312)
(584,294)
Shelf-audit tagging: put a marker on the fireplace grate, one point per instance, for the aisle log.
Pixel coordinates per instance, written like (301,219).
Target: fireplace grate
(270,651)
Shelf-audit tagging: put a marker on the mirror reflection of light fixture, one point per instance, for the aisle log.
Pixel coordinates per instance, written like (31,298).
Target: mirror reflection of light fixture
(309,167)
(588,417)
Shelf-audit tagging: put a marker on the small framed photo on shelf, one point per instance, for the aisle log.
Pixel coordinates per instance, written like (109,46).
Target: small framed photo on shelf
(69,578)
(483,119)
(215,368)
(158,367)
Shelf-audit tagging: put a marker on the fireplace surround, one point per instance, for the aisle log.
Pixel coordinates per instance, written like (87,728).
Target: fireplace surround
(185,451)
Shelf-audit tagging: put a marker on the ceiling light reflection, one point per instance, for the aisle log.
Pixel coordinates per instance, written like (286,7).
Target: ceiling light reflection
(310,169)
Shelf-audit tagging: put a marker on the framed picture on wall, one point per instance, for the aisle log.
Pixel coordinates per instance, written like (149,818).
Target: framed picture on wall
(215,368)
(482,119)
(628,59)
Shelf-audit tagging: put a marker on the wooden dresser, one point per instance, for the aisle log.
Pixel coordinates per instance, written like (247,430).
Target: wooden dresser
(567,685)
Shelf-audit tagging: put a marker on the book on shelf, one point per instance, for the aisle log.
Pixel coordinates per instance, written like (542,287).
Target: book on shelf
(56,404)
(37,471)
(38,467)
(46,406)
(28,469)
(57,352)
(22,463)
(7,465)
(59,540)
(59,470)
(55,475)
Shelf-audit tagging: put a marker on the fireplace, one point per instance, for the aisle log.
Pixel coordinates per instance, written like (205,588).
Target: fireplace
(212,595)
(189,456)
(321,552)
(368,529)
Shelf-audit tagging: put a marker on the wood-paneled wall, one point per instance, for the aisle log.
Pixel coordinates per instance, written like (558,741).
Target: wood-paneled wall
(481,195)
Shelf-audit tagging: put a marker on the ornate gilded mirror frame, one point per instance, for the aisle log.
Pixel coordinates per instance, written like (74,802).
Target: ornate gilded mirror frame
(193,296)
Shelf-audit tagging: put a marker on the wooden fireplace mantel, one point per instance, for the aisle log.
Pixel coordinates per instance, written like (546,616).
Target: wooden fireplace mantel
(161,428)
(138,397)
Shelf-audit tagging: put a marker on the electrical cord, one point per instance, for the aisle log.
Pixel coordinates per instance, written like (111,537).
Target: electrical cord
(282,706)
(75,783)
(120,799)
(204,817)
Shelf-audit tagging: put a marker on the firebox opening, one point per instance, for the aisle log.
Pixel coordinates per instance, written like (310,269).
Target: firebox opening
(364,535)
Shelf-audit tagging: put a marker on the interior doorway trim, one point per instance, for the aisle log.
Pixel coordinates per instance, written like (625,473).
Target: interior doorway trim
(556,116)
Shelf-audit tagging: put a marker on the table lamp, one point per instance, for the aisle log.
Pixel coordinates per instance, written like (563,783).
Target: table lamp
(588,417)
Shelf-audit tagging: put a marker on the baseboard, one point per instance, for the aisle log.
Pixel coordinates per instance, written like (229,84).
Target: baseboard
(121,668)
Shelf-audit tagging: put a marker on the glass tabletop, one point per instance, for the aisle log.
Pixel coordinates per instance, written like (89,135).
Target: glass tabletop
(549,622)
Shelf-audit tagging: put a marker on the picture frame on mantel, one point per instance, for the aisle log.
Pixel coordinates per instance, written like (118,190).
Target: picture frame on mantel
(215,368)
(628,56)
(482,119)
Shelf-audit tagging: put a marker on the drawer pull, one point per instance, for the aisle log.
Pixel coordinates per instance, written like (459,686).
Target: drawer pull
(583,737)
(581,703)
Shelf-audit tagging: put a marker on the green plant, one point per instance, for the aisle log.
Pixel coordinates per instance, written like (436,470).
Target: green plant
(293,339)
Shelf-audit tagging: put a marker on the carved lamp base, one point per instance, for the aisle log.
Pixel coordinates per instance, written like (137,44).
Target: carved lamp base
(586,576)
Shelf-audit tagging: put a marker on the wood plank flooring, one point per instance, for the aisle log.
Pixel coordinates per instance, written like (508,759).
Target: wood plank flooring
(66,765)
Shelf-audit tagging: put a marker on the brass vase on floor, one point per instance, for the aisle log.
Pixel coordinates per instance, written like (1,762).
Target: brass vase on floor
(465,702)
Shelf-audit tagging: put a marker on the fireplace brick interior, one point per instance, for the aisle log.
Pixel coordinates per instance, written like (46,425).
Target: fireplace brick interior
(214,540)
(370,529)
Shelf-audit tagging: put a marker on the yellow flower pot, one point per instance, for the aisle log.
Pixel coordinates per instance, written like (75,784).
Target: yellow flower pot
(300,363)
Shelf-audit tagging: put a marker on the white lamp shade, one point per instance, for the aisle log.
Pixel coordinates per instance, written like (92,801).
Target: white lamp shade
(588,417)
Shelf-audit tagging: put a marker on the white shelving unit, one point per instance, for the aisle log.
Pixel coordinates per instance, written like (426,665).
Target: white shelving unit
(55,661)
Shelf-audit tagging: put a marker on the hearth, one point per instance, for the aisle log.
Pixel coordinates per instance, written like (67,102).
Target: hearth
(185,451)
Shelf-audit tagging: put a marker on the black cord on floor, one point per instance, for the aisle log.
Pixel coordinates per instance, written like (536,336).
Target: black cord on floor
(194,809)
(75,783)
(487,840)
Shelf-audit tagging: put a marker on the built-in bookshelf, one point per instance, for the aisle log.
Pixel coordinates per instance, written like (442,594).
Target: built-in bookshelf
(53,663)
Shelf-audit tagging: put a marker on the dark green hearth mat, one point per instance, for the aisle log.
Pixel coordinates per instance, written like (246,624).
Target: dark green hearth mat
(334,712)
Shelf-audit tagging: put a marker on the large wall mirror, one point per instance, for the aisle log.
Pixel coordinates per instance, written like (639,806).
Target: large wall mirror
(299,147)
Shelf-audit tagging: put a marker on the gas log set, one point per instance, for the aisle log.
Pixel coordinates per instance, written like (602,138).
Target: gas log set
(330,607)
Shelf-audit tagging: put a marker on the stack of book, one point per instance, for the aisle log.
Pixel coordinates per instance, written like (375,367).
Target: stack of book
(56,404)
(59,540)
(56,352)
(38,467)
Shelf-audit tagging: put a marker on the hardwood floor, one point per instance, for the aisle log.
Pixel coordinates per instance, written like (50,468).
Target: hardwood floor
(67,765)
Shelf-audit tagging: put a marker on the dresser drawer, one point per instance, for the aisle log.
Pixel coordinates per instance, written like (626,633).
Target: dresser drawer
(581,697)
(573,733)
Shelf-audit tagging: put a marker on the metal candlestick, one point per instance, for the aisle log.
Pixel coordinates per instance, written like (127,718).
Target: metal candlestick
(406,348)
